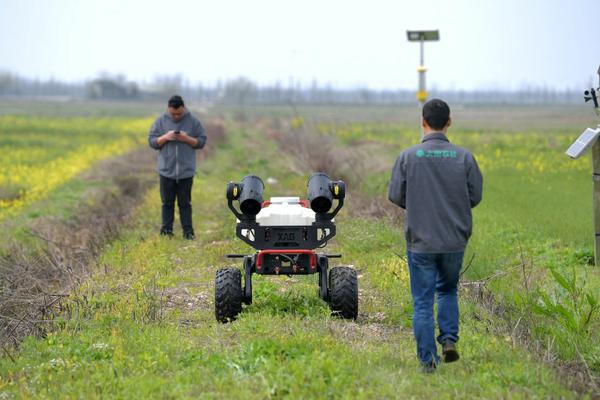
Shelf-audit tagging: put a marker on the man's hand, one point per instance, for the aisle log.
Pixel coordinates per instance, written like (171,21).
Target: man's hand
(185,138)
(167,137)
(170,136)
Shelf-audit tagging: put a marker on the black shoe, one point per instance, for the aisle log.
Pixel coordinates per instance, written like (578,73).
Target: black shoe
(166,232)
(428,368)
(449,352)
(189,235)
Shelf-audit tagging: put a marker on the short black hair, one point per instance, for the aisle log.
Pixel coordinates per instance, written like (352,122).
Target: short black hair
(437,113)
(176,101)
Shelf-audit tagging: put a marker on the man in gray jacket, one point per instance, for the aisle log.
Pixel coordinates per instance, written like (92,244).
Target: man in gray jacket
(437,183)
(177,134)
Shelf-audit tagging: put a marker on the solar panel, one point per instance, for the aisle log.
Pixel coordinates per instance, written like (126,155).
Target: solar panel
(414,36)
(583,142)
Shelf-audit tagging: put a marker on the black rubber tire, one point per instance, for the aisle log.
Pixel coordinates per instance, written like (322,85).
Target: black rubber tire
(228,294)
(343,292)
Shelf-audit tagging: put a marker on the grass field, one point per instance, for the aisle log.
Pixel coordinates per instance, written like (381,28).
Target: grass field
(141,323)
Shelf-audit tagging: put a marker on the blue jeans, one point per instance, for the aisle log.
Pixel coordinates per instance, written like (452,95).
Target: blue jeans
(431,274)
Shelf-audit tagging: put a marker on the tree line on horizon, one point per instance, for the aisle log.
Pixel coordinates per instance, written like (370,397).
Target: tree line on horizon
(243,91)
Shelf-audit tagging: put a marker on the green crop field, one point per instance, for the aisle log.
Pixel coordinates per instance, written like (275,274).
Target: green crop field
(43,153)
(139,322)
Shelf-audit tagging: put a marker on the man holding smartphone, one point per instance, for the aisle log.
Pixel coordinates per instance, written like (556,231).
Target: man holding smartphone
(177,134)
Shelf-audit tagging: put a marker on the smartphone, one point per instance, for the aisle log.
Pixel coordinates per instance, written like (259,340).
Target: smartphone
(177,132)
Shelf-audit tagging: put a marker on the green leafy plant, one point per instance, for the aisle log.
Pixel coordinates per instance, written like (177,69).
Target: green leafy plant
(571,305)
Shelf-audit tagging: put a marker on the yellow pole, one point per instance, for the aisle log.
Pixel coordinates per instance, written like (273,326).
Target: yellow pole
(422,92)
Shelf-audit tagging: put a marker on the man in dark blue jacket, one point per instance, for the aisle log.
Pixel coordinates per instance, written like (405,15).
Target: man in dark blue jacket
(176,134)
(437,183)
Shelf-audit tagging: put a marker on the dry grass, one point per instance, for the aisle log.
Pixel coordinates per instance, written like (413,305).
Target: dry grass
(516,326)
(33,280)
(310,152)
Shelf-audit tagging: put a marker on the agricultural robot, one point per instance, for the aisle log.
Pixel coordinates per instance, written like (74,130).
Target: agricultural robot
(286,232)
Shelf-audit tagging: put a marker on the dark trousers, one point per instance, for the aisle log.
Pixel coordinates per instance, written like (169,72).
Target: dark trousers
(182,190)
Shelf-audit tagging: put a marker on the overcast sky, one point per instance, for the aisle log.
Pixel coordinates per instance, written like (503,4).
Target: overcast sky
(484,44)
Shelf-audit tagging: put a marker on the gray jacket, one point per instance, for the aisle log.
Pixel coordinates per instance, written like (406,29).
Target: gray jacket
(177,160)
(437,183)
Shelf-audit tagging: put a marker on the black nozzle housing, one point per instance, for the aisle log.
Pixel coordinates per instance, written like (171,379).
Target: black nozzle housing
(319,192)
(250,195)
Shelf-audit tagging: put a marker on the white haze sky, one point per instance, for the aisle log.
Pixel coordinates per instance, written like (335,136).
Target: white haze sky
(489,44)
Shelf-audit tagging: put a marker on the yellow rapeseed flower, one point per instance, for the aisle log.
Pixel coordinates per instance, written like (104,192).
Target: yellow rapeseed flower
(45,153)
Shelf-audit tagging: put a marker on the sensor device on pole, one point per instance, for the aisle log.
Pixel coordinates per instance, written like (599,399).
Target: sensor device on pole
(421,37)
(589,138)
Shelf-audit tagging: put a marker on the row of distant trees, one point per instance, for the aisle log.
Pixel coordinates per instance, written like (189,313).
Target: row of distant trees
(244,91)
